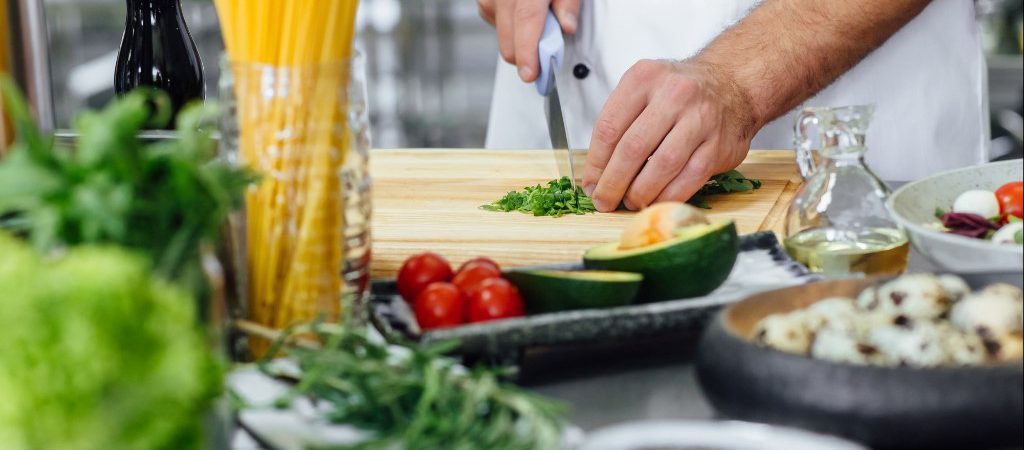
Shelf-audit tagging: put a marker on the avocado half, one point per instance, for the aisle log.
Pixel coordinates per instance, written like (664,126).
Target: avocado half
(546,291)
(694,263)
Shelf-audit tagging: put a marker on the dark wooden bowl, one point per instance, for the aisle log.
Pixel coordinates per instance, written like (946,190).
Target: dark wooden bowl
(884,407)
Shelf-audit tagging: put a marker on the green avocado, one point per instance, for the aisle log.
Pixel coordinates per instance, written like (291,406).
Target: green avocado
(547,291)
(694,263)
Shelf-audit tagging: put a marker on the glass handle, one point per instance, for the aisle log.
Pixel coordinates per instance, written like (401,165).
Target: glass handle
(804,152)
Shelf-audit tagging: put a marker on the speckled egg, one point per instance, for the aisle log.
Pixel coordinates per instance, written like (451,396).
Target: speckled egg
(916,296)
(955,287)
(920,345)
(990,314)
(784,332)
(836,312)
(836,345)
(962,348)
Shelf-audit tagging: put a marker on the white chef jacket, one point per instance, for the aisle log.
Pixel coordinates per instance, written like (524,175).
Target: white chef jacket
(928,81)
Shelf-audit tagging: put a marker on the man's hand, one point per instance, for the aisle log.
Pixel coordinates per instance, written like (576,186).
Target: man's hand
(666,128)
(520,24)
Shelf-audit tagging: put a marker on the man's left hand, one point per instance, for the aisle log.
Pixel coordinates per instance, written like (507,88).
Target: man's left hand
(664,131)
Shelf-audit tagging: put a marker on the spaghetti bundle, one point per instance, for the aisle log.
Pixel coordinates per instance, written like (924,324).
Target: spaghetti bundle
(289,61)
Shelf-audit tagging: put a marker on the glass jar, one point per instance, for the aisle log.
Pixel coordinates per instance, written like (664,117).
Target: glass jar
(837,223)
(302,244)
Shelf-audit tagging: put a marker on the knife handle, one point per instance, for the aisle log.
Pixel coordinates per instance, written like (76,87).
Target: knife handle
(550,50)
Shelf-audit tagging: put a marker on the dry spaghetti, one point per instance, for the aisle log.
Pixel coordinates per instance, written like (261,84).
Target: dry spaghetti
(289,62)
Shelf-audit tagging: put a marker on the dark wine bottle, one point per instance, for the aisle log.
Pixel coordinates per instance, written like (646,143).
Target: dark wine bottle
(158,51)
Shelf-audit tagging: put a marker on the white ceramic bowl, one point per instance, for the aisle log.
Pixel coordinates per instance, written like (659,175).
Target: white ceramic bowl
(727,435)
(913,206)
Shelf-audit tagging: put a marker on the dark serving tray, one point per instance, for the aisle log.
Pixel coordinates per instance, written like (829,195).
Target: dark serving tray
(762,265)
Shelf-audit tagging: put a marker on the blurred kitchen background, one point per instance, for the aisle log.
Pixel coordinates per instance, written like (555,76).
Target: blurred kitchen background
(431,65)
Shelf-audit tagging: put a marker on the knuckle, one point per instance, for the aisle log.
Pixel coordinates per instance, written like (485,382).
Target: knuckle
(644,69)
(606,132)
(681,87)
(633,147)
(525,11)
(701,166)
(670,160)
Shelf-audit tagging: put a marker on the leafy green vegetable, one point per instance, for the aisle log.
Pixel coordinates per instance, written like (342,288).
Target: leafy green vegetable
(731,181)
(556,199)
(417,399)
(939,212)
(163,199)
(97,355)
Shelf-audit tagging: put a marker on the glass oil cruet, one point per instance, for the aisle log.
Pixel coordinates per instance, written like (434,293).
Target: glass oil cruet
(838,224)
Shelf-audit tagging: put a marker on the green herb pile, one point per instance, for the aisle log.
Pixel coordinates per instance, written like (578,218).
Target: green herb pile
(97,355)
(558,199)
(419,399)
(724,183)
(162,199)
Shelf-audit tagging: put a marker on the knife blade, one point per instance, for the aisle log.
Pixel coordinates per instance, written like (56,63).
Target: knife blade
(550,49)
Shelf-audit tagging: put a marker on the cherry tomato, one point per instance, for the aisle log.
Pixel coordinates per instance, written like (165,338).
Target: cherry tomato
(496,299)
(420,270)
(473,273)
(441,304)
(480,261)
(1011,199)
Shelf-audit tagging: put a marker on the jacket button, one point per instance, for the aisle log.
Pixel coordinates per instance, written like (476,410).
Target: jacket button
(580,71)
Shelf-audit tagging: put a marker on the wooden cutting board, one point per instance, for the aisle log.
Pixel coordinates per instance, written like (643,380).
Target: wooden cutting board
(428,200)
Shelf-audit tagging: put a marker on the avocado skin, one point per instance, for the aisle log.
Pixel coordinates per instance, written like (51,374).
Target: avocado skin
(687,269)
(547,294)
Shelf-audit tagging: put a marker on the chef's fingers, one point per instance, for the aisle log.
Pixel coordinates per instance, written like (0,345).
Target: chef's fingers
(486,8)
(529,18)
(630,155)
(665,164)
(504,22)
(623,106)
(698,169)
(568,13)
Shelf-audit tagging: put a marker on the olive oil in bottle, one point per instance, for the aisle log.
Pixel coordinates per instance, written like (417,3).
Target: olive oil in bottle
(830,251)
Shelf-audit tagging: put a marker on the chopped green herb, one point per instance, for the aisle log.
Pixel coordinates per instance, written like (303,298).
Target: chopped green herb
(724,183)
(556,200)
(417,399)
(1018,237)
(939,212)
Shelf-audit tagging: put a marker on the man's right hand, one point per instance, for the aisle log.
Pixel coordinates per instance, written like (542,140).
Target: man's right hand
(520,23)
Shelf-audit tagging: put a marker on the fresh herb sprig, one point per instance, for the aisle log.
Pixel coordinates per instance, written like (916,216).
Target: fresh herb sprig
(556,199)
(724,183)
(162,199)
(414,398)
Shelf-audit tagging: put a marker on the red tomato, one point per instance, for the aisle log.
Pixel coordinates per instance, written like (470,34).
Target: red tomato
(496,299)
(420,270)
(1011,199)
(473,273)
(480,261)
(440,305)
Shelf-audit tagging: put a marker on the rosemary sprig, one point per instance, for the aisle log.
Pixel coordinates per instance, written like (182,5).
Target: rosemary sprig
(415,398)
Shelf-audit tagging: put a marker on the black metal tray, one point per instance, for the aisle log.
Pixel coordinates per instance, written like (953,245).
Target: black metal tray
(762,265)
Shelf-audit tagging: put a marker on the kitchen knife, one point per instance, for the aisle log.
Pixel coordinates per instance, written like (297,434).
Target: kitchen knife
(551,49)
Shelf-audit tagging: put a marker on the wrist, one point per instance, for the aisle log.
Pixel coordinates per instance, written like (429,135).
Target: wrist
(738,97)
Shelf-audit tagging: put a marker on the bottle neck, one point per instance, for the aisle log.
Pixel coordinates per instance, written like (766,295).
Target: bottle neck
(843,155)
(148,7)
